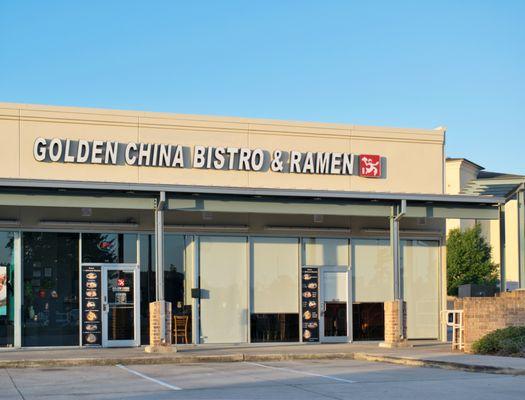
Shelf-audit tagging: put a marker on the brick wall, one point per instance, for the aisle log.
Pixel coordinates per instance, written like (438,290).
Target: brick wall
(155,308)
(482,315)
(392,322)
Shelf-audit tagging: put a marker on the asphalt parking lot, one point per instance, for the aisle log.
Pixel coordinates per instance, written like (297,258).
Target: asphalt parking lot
(327,379)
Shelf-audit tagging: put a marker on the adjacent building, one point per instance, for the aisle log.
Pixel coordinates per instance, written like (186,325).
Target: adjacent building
(508,238)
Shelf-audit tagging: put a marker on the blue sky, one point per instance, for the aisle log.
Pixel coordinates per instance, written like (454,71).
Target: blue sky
(459,64)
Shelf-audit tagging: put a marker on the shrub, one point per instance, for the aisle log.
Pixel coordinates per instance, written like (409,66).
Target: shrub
(505,342)
(469,259)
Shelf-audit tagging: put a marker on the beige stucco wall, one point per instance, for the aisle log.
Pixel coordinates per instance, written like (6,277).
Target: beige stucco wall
(414,156)
(458,173)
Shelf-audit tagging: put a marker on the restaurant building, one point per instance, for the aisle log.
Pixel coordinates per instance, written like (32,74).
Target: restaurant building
(254,230)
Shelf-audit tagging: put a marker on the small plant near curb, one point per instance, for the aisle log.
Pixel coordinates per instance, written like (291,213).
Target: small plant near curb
(502,342)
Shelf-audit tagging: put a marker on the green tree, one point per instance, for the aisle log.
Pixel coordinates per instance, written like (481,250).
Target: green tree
(468,259)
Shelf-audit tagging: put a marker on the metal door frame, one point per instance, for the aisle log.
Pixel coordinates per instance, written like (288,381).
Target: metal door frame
(135,269)
(335,339)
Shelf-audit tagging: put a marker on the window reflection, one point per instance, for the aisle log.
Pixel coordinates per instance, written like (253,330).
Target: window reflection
(174,279)
(174,286)
(6,288)
(109,247)
(147,284)
(274,328)
(174,272)
(51,307)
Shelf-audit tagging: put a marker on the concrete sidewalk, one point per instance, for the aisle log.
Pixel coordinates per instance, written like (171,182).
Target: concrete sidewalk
(423,354)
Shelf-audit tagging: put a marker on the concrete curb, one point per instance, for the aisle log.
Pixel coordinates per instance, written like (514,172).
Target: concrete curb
(241,357)
(429,363)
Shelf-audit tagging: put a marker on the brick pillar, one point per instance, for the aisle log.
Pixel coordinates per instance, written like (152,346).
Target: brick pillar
(157,342)
(393,324)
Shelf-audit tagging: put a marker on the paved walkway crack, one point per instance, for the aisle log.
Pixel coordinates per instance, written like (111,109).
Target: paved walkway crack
(15,385)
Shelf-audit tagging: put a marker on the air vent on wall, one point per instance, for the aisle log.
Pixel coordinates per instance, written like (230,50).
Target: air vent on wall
(318,218)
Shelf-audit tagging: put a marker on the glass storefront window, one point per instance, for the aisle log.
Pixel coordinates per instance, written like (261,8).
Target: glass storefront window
(51,306)
(174,272)
(324,252)
(224,288)
(368,321)
(274,328)
(7,263)
(147,283)
(372,269)
(420,274)
(109,247)
(175,279)
(274,289)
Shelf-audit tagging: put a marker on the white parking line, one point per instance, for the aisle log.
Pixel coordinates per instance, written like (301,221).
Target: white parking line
(334,378)
(172,387)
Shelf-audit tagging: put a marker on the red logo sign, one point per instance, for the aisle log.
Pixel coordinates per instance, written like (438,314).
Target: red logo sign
(120,282)
(370,166)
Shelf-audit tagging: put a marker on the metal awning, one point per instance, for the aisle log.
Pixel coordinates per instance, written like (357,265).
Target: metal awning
(349,207)
(68,201)
(45,193)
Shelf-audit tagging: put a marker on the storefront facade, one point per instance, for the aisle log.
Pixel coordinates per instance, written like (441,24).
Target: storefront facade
(254,230)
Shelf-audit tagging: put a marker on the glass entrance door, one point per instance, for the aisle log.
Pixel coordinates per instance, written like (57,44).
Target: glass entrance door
(120,305)
(334,321)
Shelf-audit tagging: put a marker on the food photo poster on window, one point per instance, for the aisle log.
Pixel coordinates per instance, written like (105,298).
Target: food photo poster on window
(310,304)
(3,290)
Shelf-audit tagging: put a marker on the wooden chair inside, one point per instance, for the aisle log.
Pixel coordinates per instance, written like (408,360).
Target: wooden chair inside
(180,328)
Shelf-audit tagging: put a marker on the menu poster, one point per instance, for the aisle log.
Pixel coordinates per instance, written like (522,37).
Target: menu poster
(310,304)
(91,305)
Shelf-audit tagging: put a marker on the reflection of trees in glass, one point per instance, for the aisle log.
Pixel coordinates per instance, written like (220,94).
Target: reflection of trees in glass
(7,305)
(10,245)
(50,265)
(100,247)
(8,260)
(50,250)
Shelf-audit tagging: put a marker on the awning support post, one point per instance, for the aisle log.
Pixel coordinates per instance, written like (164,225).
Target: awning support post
(159,247)
(502,246)
(394,246)
(521,236)
(398,211)
(159,261)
